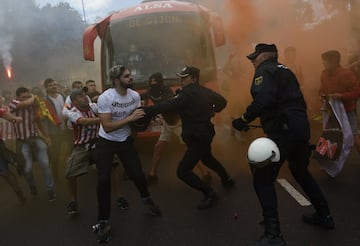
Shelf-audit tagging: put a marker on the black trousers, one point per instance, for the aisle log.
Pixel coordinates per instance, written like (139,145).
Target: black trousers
(297,153)
(199,148)
(104,156)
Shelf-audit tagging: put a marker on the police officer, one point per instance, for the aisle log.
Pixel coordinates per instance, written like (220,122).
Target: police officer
(279,102)
(171,125)
(196,105)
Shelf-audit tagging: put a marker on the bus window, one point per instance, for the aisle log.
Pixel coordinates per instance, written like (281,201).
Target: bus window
(160,43)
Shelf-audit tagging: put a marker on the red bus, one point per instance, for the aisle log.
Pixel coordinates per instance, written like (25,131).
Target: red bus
(158,36)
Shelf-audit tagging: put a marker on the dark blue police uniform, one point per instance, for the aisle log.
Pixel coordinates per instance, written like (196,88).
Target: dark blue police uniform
(279,103)
(196,105)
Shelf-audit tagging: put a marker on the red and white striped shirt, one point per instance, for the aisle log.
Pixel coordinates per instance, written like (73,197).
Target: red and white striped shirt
(28,127)
(6,127)
(84,134)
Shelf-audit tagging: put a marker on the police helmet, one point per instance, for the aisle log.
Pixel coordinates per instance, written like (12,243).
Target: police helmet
(262,151)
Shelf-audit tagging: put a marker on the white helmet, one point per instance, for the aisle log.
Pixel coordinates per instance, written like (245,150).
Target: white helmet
(262,151)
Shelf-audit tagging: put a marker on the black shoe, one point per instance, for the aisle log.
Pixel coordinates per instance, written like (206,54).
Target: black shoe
(122,203)
(103,230)
(95,227)
(152,179)
(269,240)
(72,208)
(151,207)
(208,201)
(228,183)
(325,222)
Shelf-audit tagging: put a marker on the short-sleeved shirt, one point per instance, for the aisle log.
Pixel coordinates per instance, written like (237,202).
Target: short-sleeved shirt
(28,127)
(6,128)
(83,134)
(120,107)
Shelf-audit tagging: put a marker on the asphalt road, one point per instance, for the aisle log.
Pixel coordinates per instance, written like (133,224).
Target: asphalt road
(41,223)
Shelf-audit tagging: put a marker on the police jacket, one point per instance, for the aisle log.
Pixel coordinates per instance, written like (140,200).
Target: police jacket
(196,105)
(279,102)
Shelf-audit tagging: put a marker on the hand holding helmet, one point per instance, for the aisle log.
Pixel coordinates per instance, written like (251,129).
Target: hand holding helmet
(262,152)
(141,121)
(240,124)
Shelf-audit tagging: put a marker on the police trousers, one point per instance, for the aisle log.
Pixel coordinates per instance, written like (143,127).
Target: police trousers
(199,149)
(297,153)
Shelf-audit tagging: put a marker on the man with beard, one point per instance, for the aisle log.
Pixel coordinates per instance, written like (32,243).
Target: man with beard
(117,107)
(171,125)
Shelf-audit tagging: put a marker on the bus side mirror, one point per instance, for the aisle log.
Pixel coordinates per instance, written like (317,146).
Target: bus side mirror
(89,36)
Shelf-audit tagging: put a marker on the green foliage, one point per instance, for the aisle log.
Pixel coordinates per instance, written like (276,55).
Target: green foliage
(42,42)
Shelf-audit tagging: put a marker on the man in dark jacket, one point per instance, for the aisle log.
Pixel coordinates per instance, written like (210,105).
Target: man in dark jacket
(171,125)
(196,105)
(279,102)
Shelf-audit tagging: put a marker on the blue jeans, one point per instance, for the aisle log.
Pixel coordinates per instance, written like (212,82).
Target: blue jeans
(36,147)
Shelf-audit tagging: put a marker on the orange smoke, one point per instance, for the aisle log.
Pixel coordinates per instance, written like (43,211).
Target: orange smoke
(311,26)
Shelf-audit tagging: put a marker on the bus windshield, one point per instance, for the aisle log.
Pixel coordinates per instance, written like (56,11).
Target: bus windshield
(159,42)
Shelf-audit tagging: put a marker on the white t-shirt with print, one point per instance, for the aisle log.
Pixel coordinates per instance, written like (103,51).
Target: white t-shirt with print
(120,107)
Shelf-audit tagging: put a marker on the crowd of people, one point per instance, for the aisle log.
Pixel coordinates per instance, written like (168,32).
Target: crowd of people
(87,127)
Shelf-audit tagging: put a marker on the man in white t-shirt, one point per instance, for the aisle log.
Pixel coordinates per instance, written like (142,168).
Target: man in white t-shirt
(117,107)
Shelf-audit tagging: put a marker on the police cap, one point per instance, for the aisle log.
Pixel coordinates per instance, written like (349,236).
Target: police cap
(189,71)
(261,48)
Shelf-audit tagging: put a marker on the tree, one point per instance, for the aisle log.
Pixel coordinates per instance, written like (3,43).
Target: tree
(42,42)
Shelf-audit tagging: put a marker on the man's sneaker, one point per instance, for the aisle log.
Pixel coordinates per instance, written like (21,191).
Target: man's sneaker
(72,208)
(267,240)
(208,201)
(103,231)
(33,190)
(51,196)
(228,183)
(122,203)
(95,227)
(151,207)
(325,222)
(152,179)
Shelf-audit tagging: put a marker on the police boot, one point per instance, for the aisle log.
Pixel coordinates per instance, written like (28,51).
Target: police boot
(272,235)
